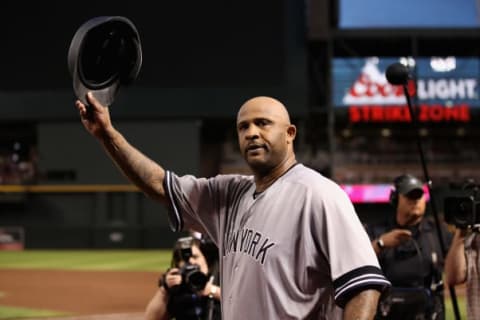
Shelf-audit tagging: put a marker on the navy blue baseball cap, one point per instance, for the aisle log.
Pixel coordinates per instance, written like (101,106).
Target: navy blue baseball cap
(104,54)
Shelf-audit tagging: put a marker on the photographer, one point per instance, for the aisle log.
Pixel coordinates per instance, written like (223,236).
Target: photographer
(188,291)
(410,255)
(462,264)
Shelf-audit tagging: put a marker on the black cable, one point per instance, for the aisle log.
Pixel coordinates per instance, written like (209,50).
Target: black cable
(211,302)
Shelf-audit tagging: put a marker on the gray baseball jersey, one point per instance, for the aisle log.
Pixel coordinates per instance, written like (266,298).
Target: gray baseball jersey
(295,251)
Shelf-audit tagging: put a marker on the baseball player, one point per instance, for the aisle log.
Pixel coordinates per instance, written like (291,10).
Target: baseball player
(291,245)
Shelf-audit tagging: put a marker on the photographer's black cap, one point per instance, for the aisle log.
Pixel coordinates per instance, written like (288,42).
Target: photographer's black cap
(408,185)
(105,53)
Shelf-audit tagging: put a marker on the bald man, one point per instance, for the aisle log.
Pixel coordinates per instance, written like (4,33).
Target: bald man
(290,242)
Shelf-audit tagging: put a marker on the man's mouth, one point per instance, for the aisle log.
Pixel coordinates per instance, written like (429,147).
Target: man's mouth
(254,147)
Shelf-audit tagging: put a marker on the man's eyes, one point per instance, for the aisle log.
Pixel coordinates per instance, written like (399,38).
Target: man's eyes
(262,123)
(258,123)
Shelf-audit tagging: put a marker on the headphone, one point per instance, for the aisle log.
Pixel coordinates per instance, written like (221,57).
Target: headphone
(393,197)
(394,191)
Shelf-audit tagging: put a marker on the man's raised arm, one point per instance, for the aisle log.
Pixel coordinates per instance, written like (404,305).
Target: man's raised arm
(137,167)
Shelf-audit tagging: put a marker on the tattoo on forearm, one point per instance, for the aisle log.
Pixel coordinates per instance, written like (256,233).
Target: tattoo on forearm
(143,171)
(362,306)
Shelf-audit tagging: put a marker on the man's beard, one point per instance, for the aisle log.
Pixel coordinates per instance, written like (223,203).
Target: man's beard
(260,168)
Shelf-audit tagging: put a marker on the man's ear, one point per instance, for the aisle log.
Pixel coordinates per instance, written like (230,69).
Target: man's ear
(291,132)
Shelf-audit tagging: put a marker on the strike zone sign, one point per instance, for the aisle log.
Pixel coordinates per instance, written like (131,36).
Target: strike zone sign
(441,89)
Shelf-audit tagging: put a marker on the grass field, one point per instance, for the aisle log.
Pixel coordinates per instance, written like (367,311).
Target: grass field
(449,308)
(18,313)
(115,260)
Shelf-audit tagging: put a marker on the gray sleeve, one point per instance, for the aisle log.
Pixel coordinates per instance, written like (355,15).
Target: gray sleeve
(191,200)
(199,203)
(353,263)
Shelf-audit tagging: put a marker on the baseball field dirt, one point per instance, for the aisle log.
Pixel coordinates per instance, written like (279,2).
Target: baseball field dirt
(81,294)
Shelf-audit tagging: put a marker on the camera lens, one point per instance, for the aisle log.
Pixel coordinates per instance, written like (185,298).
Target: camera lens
(459,210)
(193,277)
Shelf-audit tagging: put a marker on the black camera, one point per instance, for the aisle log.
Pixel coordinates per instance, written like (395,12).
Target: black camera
(462,205)
(192,276)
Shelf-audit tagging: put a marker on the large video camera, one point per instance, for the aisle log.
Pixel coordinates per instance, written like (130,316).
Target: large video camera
(462,205)
(400,303)
(192,277)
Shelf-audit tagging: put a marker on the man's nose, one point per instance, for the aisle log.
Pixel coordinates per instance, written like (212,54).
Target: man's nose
(251,132)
